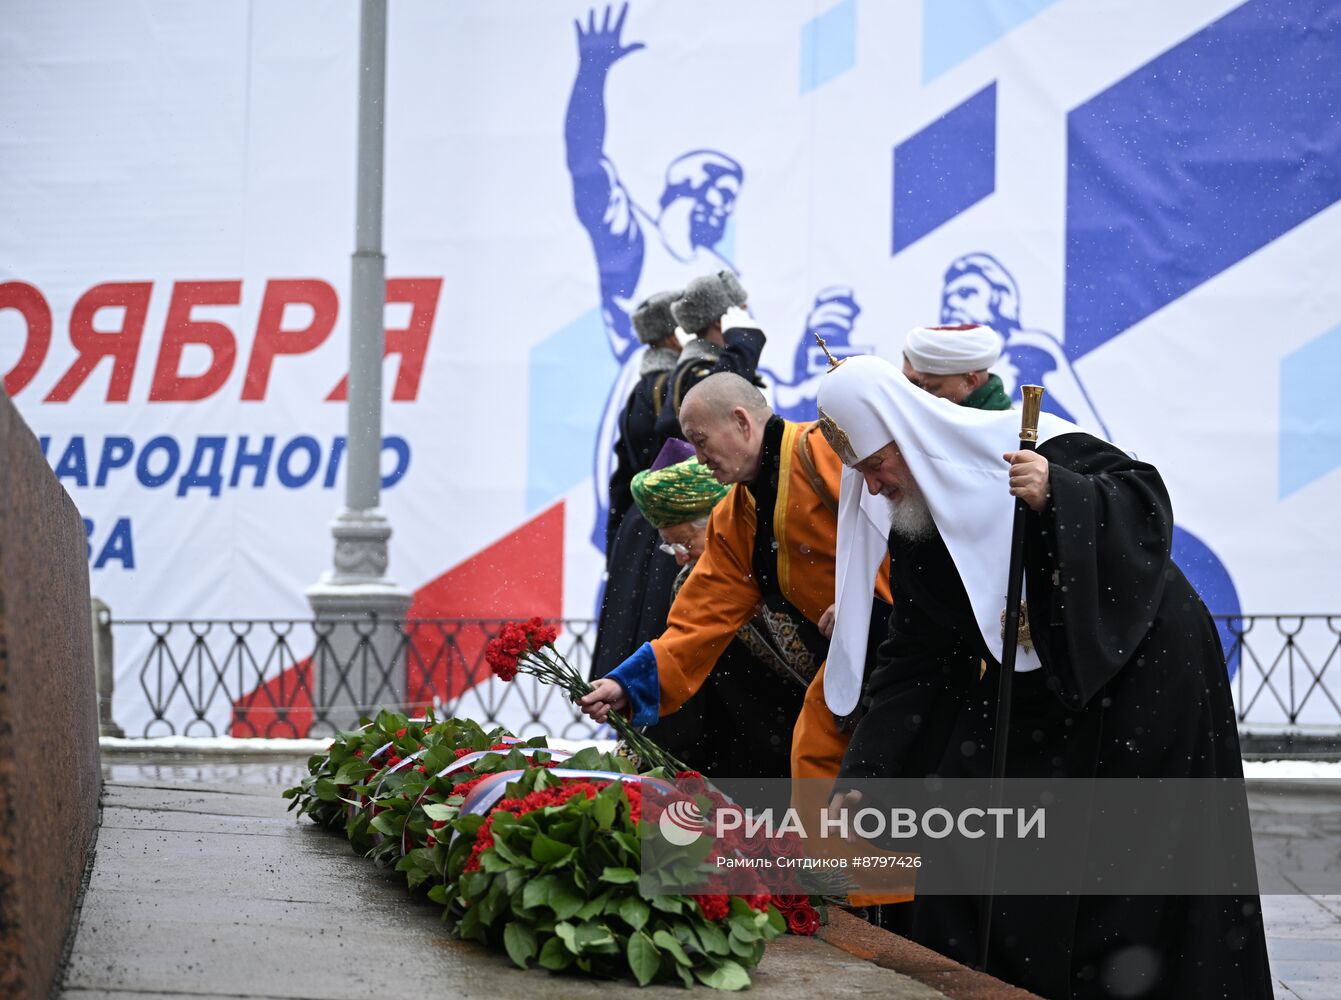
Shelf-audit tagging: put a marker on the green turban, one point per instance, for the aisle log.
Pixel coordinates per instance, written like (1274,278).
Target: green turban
(676,494)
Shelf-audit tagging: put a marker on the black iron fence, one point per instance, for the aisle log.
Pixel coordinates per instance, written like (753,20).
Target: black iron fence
(309,678)
(1286,668)
(295,678)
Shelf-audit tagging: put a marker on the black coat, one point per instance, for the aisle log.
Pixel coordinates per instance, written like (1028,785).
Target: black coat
(1133,685)
(636,448)
(638,592)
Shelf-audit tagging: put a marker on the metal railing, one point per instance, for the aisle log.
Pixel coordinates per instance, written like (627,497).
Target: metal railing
(298,678)
(302,677)
(1287,669)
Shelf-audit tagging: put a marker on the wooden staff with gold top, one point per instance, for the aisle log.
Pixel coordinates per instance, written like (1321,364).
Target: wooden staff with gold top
(1032,402)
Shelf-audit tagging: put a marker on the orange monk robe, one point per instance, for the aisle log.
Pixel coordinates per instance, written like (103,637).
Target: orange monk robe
(721,594)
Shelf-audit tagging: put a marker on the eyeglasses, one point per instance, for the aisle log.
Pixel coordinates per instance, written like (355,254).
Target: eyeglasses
(673,549)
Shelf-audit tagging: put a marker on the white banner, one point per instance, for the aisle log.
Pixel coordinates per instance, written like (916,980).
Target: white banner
(1141,197)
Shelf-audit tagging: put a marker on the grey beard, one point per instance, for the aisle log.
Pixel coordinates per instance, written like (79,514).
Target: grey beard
(911,518)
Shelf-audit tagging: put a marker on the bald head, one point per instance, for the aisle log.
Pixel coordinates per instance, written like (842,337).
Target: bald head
(723,417)
(717,395)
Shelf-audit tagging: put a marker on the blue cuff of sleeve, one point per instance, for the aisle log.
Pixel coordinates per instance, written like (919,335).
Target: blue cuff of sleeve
(638,677)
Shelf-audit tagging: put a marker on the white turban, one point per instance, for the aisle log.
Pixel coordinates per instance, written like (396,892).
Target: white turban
(954,455)
(952,350)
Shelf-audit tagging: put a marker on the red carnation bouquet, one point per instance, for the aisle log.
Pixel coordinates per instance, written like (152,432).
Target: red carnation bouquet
(528,648)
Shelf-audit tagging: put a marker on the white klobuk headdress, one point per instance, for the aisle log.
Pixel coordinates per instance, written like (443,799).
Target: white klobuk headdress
(954,454)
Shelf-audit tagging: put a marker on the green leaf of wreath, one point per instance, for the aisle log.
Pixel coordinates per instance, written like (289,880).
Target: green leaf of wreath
(536,892)
(547,850)
(728,975)
(644,958)
(520,942)
(666,940)
(564,899)
(555,956)
(634,912)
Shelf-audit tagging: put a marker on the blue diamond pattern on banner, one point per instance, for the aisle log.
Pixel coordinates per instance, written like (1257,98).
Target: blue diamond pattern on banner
(1201,157)
(945,169)
(1310,422)
(828,45)
(953,30)
(569,378)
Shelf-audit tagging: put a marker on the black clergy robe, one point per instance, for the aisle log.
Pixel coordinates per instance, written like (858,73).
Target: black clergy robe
(1133,685)
(638,443)
(639,576)
(639,587)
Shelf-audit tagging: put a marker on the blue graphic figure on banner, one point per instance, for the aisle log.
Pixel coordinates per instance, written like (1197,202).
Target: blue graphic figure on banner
(833,317)
(637,252)
(978,289)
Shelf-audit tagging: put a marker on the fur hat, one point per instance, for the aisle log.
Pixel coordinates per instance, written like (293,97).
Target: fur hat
(652,320)
(702,304)
(734,289)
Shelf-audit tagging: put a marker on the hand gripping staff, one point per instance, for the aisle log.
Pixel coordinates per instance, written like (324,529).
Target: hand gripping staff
(1032,396)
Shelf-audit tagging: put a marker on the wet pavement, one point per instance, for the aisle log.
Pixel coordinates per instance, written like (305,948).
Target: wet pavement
(1304,941)
(1297,838)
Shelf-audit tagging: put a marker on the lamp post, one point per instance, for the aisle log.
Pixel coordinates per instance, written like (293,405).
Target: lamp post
(360,664)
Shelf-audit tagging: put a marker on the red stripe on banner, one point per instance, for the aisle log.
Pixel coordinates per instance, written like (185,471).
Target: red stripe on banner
(518,576)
